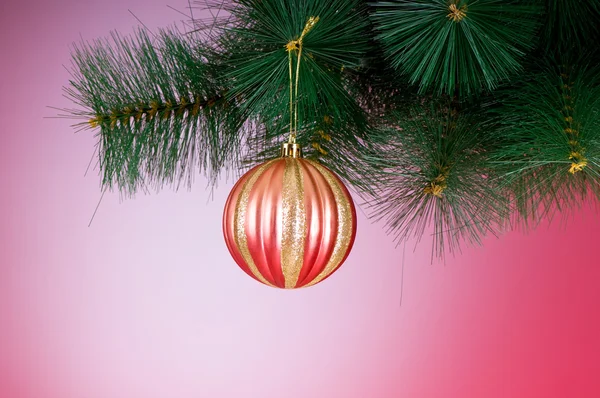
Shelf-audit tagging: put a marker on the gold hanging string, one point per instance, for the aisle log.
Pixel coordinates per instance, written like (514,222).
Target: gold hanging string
(292,137)
(296,45)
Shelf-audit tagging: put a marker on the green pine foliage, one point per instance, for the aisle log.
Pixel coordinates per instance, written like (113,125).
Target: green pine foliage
(550,151)
(457,117)
(571,25)
(259,61)
(461,45)
(160,109)
(432,173)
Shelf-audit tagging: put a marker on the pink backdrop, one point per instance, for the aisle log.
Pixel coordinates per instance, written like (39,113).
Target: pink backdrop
(147,302)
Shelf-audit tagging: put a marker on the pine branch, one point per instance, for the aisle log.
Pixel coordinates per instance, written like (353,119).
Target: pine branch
(432,174)
(462,45)
(550,155)
(160,109)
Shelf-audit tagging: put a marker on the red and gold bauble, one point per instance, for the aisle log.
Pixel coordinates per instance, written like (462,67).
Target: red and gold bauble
(289,222)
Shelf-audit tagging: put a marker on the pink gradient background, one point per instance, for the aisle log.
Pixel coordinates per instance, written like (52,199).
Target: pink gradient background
(147,302)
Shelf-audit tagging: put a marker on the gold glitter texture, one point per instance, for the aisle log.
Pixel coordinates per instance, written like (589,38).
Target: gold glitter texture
(294,223)
(239,218)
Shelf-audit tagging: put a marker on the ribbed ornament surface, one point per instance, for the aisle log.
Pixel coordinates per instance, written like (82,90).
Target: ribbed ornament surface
(289,223)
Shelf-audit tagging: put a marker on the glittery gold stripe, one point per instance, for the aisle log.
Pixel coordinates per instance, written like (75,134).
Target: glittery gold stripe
(293,222)
(239,218)
(345,225)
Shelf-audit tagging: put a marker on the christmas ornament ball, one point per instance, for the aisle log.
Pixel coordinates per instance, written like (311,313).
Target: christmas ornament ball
(289,222)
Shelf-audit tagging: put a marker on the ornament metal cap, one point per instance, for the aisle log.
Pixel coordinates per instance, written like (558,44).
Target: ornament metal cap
(291,150)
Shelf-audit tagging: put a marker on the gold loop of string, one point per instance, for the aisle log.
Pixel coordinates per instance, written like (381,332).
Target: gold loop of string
(296,45)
